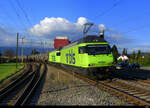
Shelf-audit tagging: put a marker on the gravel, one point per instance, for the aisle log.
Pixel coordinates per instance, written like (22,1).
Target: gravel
(60,88)
(138,75)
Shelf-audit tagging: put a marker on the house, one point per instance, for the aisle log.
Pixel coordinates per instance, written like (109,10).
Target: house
(123,58)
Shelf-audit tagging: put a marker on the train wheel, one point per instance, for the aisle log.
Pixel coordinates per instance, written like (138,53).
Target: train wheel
(100,76)
(91,74)
(103,76)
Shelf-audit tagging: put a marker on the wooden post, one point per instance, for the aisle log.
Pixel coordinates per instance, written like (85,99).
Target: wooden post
(17,51)
(22,50)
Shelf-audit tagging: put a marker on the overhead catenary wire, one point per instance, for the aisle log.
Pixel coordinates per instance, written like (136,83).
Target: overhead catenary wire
(132,30)
(138,28)
(114,5)
(24,12)
(107,10)
(18,15)
(14,8)
(5,12)
(26,16)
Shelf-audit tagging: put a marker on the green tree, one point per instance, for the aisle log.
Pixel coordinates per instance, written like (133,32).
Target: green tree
(139,56)
(34,52)
(10,54)
(0,58)
(115,52)
(0,55)
(133,56)
(124,51)
(147,60)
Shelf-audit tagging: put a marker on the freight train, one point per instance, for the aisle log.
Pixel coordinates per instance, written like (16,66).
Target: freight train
(91,55)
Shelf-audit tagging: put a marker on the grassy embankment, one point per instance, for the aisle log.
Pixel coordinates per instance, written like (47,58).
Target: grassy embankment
(8,69)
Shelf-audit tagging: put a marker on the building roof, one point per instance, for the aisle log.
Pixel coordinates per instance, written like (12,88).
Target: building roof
(61,37)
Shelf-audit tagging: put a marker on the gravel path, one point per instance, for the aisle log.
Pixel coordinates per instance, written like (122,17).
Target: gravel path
(60,88)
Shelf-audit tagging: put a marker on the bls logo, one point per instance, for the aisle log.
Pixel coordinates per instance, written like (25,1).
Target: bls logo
(70,57)
(53,58)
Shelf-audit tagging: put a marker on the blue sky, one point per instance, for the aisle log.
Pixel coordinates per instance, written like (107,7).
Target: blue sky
(127,24)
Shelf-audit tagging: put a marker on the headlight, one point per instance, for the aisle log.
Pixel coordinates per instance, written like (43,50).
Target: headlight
(91,64)
(110,63)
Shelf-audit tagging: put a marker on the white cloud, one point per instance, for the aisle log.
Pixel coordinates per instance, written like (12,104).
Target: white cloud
(7,36)
(58,26)
(115,37)
(51,27)
(81,20)
(101,27)
(8,41)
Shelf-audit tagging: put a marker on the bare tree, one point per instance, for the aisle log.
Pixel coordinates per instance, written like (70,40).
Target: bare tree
(10,54)
(34,52)
(0,58)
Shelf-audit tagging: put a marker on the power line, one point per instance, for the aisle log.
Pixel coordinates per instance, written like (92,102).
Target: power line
(130,19)
(24,12)
(18,15)
(141,27)
(5,11)
(109,9)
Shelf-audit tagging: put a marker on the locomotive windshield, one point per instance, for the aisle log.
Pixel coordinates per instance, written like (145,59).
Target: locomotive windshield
(98,49)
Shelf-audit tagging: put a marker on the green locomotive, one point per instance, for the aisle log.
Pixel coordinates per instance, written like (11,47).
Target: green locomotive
(54,57)
(90,55)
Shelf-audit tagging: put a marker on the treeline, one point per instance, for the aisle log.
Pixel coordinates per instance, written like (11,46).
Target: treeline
(143,59)
(138,57)
(8,55)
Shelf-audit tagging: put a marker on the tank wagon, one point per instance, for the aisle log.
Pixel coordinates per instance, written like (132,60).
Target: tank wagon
(90,55)
(35,58)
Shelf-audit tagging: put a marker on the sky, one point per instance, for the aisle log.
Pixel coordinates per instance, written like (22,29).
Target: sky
(126,22)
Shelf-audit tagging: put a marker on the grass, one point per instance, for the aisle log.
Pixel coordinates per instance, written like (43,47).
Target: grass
(8,69)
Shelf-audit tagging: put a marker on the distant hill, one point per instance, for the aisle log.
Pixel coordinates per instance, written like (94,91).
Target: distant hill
(26,50)
(143,54)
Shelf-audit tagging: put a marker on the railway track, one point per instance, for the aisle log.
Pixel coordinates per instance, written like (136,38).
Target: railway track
(133,94)
(133,76)
(19,91)
(147,81)
(138,95)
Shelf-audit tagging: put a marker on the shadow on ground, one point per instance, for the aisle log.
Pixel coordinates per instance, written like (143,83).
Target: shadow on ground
(36,95)
(132,74)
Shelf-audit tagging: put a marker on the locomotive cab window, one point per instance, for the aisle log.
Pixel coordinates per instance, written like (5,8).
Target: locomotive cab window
(58,54)
(82,50)
(98,49)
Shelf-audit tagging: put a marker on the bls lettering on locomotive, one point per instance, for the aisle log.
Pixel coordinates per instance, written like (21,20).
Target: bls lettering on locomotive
(53,58)
(70,57)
